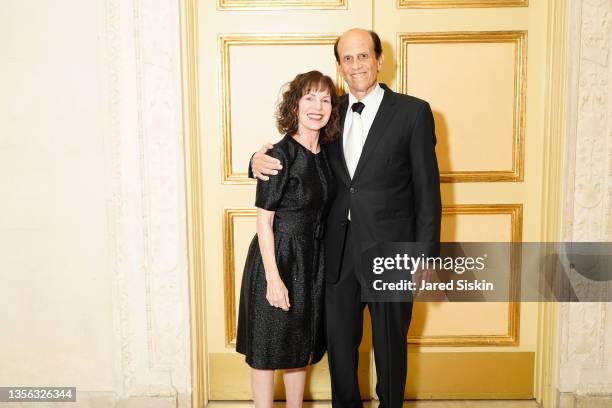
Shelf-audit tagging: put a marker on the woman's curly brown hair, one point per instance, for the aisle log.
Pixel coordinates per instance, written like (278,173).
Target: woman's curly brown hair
(287,109)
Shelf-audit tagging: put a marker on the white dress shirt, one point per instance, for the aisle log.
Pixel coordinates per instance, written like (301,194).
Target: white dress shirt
(372,103)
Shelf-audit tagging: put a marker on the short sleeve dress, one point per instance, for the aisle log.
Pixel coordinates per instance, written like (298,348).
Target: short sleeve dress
(300,195)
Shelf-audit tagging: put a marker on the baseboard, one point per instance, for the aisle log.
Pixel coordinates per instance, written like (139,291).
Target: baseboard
(573,400)
(444,375)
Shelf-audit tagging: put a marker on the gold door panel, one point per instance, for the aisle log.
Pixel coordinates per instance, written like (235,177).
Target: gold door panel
(484,71)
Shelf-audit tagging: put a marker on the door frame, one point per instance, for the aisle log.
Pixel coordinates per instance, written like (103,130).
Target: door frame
(554,142)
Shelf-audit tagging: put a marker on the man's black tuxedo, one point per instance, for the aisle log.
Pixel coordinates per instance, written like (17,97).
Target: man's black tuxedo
(394,196)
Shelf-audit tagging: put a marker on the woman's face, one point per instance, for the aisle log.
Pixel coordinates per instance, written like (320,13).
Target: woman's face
(314,109)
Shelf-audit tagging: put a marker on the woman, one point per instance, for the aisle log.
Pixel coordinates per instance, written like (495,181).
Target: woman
(280,320)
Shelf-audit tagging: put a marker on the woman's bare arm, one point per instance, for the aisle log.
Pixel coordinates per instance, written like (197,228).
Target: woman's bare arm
(276,292)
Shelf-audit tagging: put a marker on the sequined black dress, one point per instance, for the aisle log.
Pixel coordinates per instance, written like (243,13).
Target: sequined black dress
(300,195)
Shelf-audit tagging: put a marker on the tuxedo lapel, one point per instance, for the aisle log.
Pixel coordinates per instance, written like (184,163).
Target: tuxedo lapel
(386,110)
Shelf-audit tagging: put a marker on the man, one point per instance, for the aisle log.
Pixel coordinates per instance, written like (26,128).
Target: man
(388,191)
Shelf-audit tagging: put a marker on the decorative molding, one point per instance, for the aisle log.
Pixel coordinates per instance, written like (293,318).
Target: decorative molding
(195,209)
(511,338)
(583,346)
(145,189)
(229,272)
(589,123)
(555,102)
(404,4)
(235,40)
(121,247)
(157,40)
(514,210)
(519,39)
(281,5)
(588,348)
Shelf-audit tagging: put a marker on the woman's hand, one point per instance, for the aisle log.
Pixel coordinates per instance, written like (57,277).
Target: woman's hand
(277,294)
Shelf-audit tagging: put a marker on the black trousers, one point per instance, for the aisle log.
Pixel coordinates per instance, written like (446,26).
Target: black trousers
(344,327)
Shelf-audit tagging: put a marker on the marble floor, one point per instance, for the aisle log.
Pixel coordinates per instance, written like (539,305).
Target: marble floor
(407,404)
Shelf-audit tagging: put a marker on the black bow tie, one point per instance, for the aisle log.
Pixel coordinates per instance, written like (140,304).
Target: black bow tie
(358,107)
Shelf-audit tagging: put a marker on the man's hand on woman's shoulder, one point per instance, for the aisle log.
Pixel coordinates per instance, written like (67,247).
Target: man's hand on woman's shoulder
(263,165)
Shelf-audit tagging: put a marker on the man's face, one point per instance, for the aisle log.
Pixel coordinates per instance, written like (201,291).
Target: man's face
(358,63)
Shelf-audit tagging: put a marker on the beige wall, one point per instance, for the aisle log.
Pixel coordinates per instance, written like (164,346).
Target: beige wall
(56,282)
(93,270)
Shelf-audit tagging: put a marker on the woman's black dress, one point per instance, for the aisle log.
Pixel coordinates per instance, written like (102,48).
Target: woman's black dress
(300,195)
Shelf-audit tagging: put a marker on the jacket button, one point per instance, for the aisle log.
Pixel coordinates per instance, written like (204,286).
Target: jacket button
(352,190)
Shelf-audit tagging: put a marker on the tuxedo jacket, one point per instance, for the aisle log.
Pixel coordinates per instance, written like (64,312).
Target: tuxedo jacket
(394,195)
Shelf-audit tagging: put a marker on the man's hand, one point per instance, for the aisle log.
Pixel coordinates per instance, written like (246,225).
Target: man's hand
(263,164)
